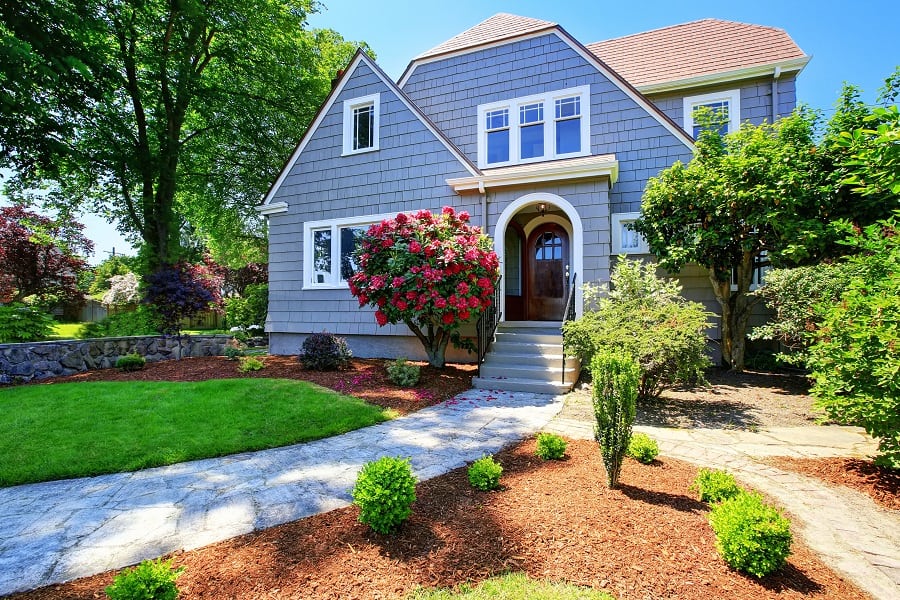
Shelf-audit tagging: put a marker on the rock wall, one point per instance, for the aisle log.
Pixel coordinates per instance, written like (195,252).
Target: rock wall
(38,360)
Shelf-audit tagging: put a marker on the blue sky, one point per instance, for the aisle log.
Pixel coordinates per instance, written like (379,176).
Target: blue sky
(848,41)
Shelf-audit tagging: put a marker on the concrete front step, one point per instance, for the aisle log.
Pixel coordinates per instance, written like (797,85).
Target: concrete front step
(522,371)
(534,386)
(524,359)
(526,336)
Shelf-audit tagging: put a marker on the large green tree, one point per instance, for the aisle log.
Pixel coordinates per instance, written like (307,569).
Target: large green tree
(170,116)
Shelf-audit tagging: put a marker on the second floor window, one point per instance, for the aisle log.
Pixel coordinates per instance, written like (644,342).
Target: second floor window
(361,121)
(720,111)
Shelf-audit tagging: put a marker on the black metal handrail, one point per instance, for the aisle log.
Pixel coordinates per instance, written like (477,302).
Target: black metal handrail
(487,324)
(568,315)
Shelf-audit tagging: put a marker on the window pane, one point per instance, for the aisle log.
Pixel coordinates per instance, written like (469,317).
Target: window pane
(568,107)
(532,140)
(322,256)
(498,146)
(531,113)
(497,119)
(363,127)
(350,236)
(568,136)
(631,240)
(713,115)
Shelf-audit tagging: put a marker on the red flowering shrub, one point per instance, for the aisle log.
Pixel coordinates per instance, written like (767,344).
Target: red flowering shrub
(431,272)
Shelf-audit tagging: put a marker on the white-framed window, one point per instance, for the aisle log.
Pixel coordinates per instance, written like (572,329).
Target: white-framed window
(534,128)
(328,248)
(624,240)
(726,105)
(361,122)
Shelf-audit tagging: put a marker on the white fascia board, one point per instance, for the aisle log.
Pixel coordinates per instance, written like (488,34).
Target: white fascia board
(767,70)
(535,175)
(272,209)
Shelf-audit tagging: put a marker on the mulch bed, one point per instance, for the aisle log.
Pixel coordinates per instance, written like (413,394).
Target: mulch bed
(879,483)
(364,378)
(552,520)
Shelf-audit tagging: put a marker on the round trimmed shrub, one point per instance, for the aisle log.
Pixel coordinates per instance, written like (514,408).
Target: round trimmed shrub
(643,448)
(484,474)
(550,446)
(325,352)
(403,373)
(750,535)
(150,580)
(384,492)
(131,362)
(714,485)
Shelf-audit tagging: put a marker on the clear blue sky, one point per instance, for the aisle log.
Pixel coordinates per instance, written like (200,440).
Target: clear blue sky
(854,41)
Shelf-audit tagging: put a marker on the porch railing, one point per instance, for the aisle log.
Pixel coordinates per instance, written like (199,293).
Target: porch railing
(487,325)
(568,315)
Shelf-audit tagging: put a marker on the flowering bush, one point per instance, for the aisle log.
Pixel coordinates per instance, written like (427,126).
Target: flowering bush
(123,289)
(431,272)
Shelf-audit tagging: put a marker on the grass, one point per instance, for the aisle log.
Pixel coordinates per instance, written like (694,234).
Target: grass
(65,430)
(513,586)
(65,331)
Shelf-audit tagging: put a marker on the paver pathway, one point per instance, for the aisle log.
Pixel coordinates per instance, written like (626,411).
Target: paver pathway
(57,531)
(851,533)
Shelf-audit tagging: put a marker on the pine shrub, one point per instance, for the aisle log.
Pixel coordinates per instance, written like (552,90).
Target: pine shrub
(550,446)
(643,448)
(715,486)
(751,536)
(616,379)
(384,492)
(150,580)
(403,373)
(484,474)
(325,352)
(131,362)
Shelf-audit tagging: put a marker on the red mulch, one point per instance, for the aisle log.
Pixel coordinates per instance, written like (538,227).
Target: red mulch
(553,520)
(365,378)
(879,483)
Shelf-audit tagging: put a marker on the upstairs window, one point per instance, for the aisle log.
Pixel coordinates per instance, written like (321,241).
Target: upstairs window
(534,128)
(723,107)
(361,121)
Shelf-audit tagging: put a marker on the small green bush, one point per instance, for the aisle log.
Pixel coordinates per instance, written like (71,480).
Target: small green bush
(751,536)
(250,363)
(615,392)
(384,492)
(484,474)
(150,580)
(403,373)
(131,362)
(21,323)
(550,446)
(324,352)
(233,349)
(715,486)
(643,448)
(140,321)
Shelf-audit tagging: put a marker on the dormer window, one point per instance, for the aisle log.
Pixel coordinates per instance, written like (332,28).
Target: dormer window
(534,128)
(361,120)
(724,108)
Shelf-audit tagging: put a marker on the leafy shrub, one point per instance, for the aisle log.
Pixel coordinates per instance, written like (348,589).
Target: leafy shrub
(616,380)
(645,317)
(140,321)
(131,362)
(21,323)
(715,486)
(180,291)
(250,363)
(384,492)
(751,536)
(550,446)
(643,448)
(856,355)
(484,474)
(150,580)
(403,373)
(250,308)
(233,349)
(324,352)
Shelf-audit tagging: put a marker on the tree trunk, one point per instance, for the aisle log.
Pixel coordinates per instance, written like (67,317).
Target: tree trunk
(436,354)
(435,342)
(736,305)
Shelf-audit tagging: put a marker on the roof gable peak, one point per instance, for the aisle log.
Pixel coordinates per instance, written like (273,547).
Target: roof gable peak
(499,27)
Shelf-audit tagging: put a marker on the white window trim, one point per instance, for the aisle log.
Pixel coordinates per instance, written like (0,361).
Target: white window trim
(759,274)
(334,282)
(618,222)
(349,105)
(733,97)
(547,99)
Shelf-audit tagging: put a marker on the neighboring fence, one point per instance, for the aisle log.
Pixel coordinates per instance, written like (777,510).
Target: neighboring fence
(39,360)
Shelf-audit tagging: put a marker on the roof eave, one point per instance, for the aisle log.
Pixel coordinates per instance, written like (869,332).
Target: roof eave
(793,65)
(538,174)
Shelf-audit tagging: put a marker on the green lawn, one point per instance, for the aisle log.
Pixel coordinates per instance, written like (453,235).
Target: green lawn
(63,430)
(514,586)
(65,331)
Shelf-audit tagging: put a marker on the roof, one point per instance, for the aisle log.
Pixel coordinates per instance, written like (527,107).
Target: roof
(696,50)
(598,165)
(499,27)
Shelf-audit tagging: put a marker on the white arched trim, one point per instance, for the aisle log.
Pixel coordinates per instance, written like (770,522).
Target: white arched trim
(574,227)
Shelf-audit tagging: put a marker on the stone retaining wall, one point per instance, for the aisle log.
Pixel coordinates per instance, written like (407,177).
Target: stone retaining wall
(38,360)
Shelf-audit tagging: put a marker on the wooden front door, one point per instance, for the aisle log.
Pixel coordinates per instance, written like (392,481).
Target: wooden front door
(547,254)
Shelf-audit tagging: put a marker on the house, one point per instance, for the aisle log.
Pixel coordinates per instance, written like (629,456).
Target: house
(548,143)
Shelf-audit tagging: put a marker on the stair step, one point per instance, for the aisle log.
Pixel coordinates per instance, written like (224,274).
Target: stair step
(518,337)
(530,360)
(534,386)
(504,345)
(520,371)
(529,325)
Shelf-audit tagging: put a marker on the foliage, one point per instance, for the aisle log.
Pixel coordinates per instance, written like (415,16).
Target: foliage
(550,446)
(140,321)
(99,279)
(21,323)
(236,280)
(250,308)
(751,536)
(384,492)
(130,108)
(643,448)
(180,291)
(39,256)
(403,373)
(713,485)
(123,289)
(616,378)
(431,272)
(643,316)
(793,294)
(250,363)
(131,362)
(324,352)
(233,349)
(511,586)
(855,360)
(484,474)
(150,580)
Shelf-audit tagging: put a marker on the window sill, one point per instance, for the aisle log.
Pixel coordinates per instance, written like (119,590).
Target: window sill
(355,152)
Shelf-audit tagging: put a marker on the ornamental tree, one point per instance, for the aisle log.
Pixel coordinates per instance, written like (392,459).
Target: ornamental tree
(180,291)
(431,272)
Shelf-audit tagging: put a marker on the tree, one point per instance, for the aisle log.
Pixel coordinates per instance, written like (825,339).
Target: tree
(180,291)
(101,277)
(123,289)
(755,196)
(170,117)
(431,272)
(39,256)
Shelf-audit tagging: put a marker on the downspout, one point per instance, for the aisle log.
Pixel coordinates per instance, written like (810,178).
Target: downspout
(775,77)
